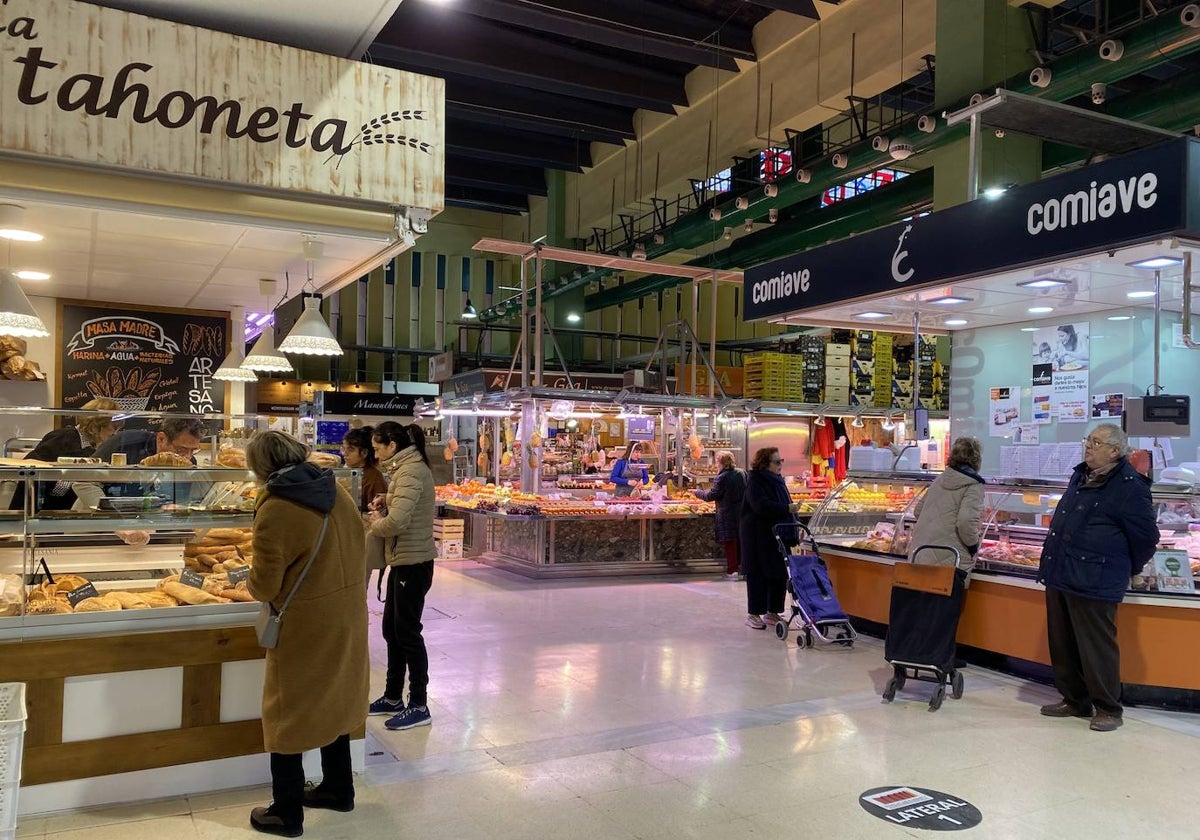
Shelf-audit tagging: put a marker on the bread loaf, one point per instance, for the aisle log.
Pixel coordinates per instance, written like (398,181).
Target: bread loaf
(129,600)
(50,607)
(166,459)
(238,593)
(69,583)
(104,603)
(157,599)
(325,459)
(190,595)
(231,456)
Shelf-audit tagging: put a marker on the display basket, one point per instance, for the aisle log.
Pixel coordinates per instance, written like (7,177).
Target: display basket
(131,403)
(12,738)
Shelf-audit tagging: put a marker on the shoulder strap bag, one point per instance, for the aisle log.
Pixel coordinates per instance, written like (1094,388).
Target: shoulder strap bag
(269,619)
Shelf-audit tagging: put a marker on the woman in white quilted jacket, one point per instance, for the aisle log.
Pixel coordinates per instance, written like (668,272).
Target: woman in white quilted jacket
(406,526)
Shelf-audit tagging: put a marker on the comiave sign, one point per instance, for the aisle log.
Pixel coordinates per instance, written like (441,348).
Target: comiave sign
(93,85)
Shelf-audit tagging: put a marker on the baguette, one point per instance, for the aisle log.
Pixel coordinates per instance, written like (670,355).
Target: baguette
(238,593)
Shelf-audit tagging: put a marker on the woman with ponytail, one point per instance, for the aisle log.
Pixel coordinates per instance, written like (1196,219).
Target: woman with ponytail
(406,526)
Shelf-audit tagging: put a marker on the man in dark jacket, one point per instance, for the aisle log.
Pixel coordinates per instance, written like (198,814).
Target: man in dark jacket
(1103,532)
(181,436)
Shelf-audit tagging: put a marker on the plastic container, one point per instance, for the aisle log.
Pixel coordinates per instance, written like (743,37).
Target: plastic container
(12,740)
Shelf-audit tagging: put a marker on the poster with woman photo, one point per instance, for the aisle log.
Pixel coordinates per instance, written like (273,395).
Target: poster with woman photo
(1060,359)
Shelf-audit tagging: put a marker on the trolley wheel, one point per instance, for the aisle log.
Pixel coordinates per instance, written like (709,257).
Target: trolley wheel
(939,694)
(781,630)
(956,685)
(808,638)
(889,690)
(800,640)
(901,677)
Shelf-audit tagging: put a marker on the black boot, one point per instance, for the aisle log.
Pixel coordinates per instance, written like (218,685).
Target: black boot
(317,796)
(270,820)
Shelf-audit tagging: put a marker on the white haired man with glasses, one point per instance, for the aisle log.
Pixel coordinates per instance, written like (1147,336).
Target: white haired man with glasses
(1103,532)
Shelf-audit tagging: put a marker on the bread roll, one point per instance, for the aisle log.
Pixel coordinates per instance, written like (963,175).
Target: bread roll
(166,459)
(325,459)
(231,456)
(69,583)
(226,535)
(129,600)
(238,593)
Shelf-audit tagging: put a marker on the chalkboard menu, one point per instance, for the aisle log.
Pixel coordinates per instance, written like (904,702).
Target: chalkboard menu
(145,360)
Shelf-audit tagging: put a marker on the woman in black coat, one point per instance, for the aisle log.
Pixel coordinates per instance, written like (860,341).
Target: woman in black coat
(727,491)
(767,503)
(77,441)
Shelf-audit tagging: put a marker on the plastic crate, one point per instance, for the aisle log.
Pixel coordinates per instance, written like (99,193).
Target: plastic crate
(12,738)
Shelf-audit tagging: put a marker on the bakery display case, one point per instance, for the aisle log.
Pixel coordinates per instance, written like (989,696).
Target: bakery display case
(132,615)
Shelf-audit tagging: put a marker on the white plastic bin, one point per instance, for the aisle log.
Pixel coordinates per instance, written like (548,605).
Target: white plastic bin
(12,741)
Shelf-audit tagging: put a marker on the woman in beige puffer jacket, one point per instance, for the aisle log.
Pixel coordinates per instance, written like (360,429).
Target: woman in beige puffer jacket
(950,512)
(406,526)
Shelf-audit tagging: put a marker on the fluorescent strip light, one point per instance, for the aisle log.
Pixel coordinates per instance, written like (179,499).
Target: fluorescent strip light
(873,315)
(32,275)
(478,412)
(955,322)
(1029,329)
(1040,310)
(1043,283)
(1156,262)
(1120,317)
(1138,295)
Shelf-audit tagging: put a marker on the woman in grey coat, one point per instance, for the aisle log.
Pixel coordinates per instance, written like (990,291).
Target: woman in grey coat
(950,511)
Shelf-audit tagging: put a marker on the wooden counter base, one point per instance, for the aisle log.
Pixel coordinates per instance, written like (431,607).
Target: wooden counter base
(1008,616)
(46,665)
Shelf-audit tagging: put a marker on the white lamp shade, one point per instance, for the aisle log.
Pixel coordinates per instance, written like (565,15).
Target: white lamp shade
(311,336)
(264,357)
(231,369)
(17,315)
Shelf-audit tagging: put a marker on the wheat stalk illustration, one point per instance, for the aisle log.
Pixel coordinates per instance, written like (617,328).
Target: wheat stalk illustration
(371,133)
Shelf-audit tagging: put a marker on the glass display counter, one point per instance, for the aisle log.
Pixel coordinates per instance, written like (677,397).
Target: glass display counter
(863,529)
(129,621)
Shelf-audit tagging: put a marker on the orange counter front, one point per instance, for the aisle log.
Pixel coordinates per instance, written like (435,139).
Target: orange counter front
(1007,615)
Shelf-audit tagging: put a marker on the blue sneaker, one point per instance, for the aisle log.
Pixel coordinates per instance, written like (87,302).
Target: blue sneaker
(411,717)
(384,706)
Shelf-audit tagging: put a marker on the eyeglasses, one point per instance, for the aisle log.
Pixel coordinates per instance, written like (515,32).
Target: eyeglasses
(1089,442)
(776,460)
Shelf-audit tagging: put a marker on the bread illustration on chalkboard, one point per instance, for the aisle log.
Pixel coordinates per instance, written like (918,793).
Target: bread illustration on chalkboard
(201,341)
(131,391)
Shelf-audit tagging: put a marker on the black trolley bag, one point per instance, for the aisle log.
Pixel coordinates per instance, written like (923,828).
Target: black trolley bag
(923,621)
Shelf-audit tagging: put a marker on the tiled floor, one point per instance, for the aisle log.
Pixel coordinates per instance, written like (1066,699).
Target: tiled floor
(645,709)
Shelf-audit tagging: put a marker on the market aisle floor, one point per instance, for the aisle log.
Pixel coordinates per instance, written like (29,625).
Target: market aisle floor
(645,709)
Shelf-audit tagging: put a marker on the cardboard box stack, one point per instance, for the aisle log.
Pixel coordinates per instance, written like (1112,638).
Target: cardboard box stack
(812,381)
(773,376)
(837,368)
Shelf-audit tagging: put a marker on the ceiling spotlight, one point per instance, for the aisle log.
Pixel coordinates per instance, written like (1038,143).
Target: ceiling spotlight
(994,192)
(1156,262)
(1138,295)
(840,161)
(873,315)
(32,275)
(573,318)
(748,226)
(1043,283)
(715,214)
(1040,310)
(879,143)
(949,300)
(659,239)
(857,422)
(773,215)
(639,252)
(728,234)
(742,203)
(803,176)
(12,226)
(771,190)
(469,311)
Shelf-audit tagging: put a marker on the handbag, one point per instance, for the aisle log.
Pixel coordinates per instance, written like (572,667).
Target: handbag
(270,620)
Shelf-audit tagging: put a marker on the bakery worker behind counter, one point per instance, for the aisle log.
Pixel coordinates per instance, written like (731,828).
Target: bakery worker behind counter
(175,443)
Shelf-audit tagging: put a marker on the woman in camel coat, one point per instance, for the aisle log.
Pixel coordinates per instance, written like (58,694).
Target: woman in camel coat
(317,680)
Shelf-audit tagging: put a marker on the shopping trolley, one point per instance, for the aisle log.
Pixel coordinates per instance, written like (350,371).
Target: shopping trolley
(815,608)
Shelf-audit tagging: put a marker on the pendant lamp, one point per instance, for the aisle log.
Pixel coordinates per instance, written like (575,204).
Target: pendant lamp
(311,336)
(231,369)
(17,315)
(264,357)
